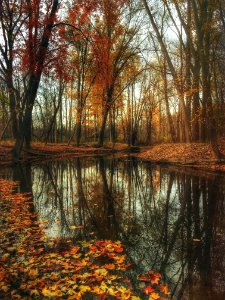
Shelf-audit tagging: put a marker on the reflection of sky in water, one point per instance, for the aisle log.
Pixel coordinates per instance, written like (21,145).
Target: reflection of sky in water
(155,211)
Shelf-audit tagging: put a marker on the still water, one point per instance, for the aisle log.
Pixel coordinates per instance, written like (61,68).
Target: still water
(169,220)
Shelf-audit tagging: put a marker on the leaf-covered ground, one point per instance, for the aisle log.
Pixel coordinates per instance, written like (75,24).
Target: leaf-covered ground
(33,267)
(41,151)
(199,155)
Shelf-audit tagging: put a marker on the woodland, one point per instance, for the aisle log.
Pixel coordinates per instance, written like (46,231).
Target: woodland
(94,77)
(120,71)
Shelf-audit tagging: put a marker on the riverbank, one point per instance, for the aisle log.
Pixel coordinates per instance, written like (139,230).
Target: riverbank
(196,155)
(41,151)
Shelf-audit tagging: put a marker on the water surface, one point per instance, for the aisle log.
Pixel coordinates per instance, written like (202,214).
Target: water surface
(170,220)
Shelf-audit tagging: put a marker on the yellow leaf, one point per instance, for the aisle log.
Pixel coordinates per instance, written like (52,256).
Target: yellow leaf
(101,272)
(84,288)
(119,259)
(49,293)
(112,291)
(76,227)
(73,227)
(125,293)
(77,255)
(34,293)
(196,240)
(154,296)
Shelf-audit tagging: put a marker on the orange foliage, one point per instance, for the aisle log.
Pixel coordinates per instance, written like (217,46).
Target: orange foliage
(34,267)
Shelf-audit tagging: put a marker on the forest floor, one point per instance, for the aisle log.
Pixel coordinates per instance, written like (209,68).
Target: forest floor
(197,155)
(56,151)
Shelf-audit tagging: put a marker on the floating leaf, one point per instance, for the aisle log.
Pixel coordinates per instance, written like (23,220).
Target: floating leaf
(196,240)
(76,227)
(148,290)
(154,296)
(164,289)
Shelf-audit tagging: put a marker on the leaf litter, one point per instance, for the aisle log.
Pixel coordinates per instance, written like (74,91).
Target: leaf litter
(32,268)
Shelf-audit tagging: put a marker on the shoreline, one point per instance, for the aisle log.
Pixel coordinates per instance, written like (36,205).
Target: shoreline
(193,155)
(40,151)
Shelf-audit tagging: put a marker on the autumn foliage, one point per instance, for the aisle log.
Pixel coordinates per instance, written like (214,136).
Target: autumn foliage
(35,267)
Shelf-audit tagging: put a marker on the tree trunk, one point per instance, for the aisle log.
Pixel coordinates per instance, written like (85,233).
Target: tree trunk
(176,79)
(4,129)
(107,106)
(103,125)
(170,120)
(12,106)
(195,99)
(24,132)
(78,132)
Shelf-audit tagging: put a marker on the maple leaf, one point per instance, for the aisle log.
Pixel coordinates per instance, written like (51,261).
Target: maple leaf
(119,259)
(154,296)
(53,291)
(74,250)
(164,289)
(101,272)
(150,276)
(70,278)
(84,288)
(109,266)
(33,272)
(118,249)
(125,293)
(148,290)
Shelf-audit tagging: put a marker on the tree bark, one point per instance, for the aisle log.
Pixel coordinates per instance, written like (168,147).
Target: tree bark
(170,120)
(25,126)
(107,106)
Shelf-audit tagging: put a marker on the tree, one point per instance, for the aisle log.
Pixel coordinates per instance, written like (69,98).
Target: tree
(78,36)
(176,78)
(37,52)
(114,50)
(12,20)
(26,31)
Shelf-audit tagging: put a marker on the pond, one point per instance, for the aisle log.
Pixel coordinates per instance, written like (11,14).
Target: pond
(170,220)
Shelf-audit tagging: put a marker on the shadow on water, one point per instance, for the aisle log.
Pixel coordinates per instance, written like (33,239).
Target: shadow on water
(169,220)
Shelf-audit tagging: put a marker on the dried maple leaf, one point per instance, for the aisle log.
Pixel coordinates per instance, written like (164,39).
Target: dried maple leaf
(154,296)
(150,276)
(148,290)
(164,289)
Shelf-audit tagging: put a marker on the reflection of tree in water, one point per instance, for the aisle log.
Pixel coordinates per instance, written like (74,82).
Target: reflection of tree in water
(170,221)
